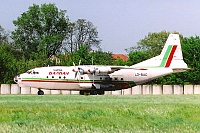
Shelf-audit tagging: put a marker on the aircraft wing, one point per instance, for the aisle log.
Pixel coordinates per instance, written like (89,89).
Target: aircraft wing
(115,68)
(104,69)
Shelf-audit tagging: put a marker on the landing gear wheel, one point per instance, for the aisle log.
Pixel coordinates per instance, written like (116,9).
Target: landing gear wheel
(40,92)
(81,92)
(93,92)
(84,92)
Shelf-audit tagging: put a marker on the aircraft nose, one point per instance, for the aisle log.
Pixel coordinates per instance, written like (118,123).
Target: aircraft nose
(15,79)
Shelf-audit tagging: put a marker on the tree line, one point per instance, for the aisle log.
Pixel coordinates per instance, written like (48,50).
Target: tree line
(44,35)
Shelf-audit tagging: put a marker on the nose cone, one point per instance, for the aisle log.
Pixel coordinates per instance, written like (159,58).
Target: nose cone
(16,79)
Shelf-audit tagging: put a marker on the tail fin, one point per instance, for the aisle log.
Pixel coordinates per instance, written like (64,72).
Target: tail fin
(170,57)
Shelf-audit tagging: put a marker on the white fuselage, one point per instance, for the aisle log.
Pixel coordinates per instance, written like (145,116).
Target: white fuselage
(67,78)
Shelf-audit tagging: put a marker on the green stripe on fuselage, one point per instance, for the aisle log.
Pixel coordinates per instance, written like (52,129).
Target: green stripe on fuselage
(166,55)
(131,83)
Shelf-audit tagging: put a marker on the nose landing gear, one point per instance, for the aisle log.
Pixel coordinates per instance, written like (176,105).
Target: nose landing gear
(40,92)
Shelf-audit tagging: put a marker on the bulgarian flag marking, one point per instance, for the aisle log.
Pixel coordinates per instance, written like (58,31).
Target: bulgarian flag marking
(166,61)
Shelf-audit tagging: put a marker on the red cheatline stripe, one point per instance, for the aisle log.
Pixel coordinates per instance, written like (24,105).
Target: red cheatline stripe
(171,56)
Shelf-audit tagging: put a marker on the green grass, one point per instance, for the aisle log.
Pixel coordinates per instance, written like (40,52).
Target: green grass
(74,113)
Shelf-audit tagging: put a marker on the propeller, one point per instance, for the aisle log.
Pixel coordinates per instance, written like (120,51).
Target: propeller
(77,69)
(80,70)
(79,63)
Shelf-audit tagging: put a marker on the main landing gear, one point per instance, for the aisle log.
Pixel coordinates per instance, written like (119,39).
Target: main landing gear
(40,92)
(92,92)
(82,92)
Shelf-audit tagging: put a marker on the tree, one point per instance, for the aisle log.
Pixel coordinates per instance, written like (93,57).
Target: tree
(102,58)
(7,59)
(191,54)
(138,56)
(3,35)
(86,57)
(7,64)
(82,32)
(120,62)
(81,54)
(41,29)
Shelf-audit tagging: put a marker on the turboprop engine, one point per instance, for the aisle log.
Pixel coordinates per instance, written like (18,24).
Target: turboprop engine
(91,70)
(102,69)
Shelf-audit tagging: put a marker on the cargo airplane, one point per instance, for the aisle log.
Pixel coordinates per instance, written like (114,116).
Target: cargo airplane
(94,79)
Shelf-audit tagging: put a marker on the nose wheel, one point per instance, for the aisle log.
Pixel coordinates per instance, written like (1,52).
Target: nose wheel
(40,92)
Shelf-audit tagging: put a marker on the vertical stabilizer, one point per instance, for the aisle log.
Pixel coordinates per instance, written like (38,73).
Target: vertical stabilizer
(170,57)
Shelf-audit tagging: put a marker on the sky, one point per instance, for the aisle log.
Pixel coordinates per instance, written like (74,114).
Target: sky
(120,23)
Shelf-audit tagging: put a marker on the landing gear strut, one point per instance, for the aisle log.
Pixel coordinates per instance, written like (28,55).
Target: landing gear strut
(40,92)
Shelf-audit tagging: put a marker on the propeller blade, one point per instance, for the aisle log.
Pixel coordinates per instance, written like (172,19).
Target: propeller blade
(76,74)
(79,62)
(74,64)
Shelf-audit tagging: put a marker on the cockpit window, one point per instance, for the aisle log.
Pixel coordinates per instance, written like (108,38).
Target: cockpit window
(35,72)
(32,72)
(29,71)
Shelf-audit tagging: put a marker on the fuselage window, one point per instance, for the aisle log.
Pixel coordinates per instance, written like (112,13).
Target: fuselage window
(100,78)
(81,77)
(115,78)
(47,77)
(122,79)
(59,77)
(52,76)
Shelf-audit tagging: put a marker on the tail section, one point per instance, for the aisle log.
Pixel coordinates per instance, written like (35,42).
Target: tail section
(170,57)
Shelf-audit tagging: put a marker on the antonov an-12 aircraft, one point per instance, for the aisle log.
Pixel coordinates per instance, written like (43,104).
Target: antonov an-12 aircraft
(94,79)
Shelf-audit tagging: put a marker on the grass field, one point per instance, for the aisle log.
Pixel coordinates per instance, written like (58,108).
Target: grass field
(74,113)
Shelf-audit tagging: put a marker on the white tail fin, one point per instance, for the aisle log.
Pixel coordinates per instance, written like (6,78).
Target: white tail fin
(170,57)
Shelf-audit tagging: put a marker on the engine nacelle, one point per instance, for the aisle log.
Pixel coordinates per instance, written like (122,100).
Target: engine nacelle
(87,70)
(103,70)
(98,69)
(82,70)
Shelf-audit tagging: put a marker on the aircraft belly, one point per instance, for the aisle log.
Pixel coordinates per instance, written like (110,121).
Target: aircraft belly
(52,85)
